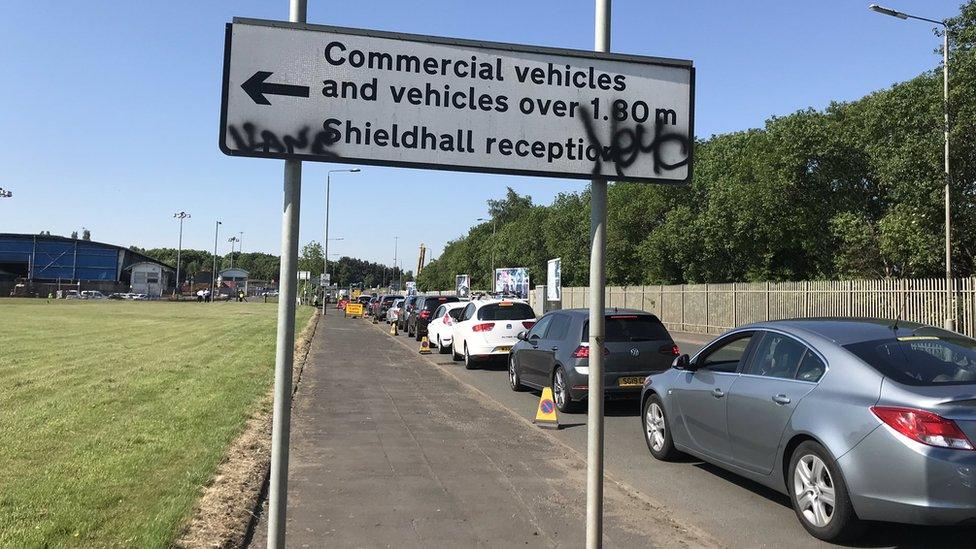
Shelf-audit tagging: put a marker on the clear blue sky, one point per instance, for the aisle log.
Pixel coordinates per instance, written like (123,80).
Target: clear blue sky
(109,109)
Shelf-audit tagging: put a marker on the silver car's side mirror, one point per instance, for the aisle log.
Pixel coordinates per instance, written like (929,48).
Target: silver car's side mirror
(522,335)
(681,362)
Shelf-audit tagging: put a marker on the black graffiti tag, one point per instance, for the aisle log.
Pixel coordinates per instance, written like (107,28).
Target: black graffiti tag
(627,145)
(269,142)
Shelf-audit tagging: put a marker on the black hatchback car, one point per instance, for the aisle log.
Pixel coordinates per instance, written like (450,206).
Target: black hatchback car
(555,353)
(423,312)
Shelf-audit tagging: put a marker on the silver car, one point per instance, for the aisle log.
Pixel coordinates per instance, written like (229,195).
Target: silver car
(854,419)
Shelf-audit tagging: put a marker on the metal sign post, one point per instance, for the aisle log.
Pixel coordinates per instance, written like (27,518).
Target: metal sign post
(285,344)
(598,243)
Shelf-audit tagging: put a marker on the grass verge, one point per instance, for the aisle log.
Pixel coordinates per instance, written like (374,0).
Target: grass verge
(114,414)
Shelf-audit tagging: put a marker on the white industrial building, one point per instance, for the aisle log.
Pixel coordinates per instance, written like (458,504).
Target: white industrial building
(150,278)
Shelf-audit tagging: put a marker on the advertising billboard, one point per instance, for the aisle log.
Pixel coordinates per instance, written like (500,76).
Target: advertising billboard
(512,281)
(462,285)
(554,280)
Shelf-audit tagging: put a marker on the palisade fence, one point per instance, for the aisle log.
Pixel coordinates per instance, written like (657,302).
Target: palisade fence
(714,308)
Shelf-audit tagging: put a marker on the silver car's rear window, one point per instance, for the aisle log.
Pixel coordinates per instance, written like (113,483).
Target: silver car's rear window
(921,360)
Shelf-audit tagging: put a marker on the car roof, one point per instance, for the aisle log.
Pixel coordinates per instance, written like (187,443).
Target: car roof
(608,311)
(494,300)
(844,331)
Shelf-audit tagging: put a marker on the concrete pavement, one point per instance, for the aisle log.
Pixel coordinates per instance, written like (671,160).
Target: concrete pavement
(388,451)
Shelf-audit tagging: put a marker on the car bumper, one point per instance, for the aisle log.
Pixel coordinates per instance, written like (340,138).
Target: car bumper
(894,479)
(579,379)
(488,349)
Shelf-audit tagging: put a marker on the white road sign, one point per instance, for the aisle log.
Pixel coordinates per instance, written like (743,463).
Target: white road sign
(310,92)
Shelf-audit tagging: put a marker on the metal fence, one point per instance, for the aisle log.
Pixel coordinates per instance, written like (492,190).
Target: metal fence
(714,308)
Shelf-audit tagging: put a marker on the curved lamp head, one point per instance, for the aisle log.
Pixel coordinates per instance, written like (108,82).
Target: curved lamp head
(887,11)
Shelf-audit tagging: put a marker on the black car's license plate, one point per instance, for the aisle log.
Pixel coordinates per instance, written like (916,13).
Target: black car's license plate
(636,381)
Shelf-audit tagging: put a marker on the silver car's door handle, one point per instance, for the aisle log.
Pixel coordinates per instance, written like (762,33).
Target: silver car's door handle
(718,393)
(781,399)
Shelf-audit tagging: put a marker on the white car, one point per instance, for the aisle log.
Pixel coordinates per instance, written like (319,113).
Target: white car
(489,328)
(440,331)
(393,313)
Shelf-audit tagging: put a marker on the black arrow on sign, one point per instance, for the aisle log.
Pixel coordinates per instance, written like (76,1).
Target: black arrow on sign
(256,87)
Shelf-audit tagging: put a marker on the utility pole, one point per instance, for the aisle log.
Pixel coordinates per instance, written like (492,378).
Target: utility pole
(213,273)
(179,249)
(494,226)
(396,241)
(598,240)
(950,320)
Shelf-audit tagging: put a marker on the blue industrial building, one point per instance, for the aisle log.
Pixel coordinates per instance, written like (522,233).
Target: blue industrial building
(48,258)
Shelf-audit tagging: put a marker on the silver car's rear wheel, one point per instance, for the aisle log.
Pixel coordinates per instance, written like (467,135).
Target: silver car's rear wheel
(813,488)
(819,494)
(654,427)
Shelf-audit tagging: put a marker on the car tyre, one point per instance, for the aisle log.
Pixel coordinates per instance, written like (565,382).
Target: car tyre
(441,349)
(560,392)
(454,355)
(514,379)
(416,335)
(657,430)
(468,361)
(819,495)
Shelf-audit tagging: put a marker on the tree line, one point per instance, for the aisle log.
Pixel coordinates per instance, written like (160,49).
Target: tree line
(851,191)
(263,266)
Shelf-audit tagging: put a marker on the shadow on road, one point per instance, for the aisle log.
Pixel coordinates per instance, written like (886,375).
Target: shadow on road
(878,534)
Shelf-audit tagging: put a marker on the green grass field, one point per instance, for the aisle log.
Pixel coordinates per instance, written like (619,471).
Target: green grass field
(114,414)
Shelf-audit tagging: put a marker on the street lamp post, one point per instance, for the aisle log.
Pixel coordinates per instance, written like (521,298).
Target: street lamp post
(325,251)
(396,241)
(213,272)
(491,279)
(950,320)
(233,240)
(179,250)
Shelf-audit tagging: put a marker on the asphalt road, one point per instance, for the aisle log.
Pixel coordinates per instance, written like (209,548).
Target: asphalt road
(737,511)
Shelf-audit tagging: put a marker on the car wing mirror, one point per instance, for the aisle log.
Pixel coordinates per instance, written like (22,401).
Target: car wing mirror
(522,336)
(682,362)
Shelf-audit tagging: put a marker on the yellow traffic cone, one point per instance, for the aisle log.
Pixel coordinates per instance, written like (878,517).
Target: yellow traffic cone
(393,329)
(424,346)
(545,415)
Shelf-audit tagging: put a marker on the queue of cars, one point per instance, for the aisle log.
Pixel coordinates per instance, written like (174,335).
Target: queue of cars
(853,419)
